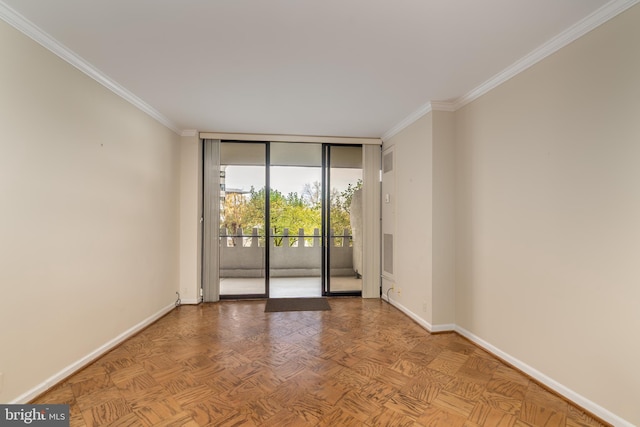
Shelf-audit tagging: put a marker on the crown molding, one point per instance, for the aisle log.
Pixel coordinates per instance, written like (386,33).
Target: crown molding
(443,106)
(20,23)
(592,21)
(189,132)
(422,111)
(410,119)
(582,27)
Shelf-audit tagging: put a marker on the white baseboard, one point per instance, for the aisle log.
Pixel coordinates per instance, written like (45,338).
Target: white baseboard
(190,301)
(574,397)
(420,321)
(445,327)
(76,366)
(566,392)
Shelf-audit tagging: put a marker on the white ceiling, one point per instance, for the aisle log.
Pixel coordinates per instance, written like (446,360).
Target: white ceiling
(306,67)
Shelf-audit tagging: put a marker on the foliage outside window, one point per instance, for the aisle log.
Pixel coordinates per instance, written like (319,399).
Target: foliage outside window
(293,211)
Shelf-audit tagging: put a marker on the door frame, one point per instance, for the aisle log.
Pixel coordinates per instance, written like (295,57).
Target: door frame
(210,285)
(326,217)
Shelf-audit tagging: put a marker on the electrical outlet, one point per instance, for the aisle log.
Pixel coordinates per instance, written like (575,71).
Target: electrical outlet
(399,291)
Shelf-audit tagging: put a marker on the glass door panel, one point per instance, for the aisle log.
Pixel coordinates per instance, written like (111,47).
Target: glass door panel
(344,244)
(290,219)
(295,240)
(242,219)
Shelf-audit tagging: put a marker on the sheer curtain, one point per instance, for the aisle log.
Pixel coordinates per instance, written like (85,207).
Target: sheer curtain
(211,217)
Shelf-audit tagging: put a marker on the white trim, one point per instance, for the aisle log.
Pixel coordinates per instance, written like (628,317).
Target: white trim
(419,320)
(582,27)
(190,301)
(189,132)
(443,106)
(25,26)
(79,364)
(290,138)
(420,112)
(562,390)
(574,397)
(410,119)
(446,327)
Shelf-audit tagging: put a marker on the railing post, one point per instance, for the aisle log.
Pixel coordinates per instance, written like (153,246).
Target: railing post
(239,238)
(301,238)
(254,237)
(345,238)
(285,238)
(223,234)
(332,239)
(316,238)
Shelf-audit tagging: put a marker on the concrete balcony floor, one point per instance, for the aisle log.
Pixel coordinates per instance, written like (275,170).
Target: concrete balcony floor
(287,287)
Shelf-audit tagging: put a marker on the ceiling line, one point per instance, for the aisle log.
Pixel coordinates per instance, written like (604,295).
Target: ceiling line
(595,19)
(20,23)
(582,27)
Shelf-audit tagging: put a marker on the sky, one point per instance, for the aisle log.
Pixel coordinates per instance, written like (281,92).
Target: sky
(286,179)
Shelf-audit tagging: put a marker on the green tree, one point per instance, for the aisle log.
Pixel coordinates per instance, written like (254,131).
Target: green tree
(341,207)
(292,211)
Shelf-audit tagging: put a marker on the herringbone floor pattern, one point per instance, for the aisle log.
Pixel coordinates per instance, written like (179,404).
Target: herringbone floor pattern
(362,364)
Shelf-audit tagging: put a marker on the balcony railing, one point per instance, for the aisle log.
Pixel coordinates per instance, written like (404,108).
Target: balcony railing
(243,255)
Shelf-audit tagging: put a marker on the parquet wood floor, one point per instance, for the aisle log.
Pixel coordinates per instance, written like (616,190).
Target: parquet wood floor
(363,363)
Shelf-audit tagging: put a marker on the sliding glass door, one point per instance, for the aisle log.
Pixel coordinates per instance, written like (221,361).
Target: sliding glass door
(243,219)
(290,220)
(344,219)
(295,249)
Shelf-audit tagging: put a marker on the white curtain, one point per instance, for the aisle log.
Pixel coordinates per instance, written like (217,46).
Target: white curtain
(211,216)
(371,160)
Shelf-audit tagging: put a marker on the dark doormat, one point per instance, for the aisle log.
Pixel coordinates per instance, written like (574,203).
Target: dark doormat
(296,304)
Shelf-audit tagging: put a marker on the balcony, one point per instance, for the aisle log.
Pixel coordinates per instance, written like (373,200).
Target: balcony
(295,263)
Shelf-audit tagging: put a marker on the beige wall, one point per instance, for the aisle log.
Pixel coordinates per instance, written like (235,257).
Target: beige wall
(413,215)
(424,267)
(517,220)
(548,216)
(543,181)
(89,230)
(443,222)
